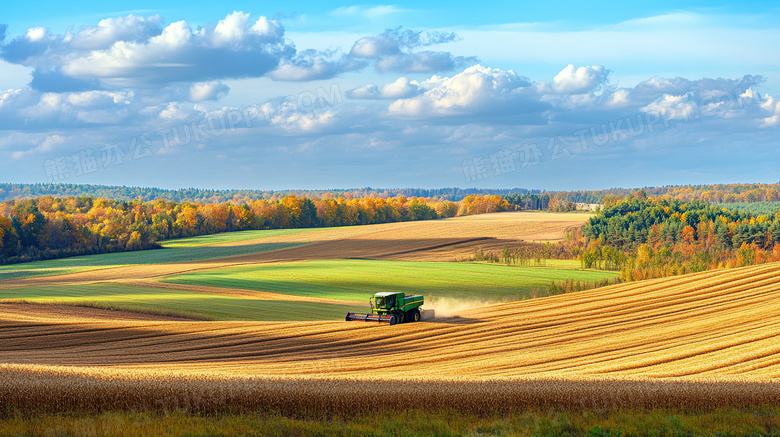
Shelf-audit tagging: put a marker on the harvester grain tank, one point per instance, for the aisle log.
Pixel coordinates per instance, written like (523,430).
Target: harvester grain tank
(393,307)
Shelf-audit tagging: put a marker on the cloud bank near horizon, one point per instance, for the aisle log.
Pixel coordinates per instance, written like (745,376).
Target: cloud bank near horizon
(131,76)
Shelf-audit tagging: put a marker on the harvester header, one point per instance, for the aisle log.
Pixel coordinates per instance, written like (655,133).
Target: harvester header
(394,307)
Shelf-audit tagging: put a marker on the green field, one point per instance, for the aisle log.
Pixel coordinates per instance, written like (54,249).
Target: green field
(346,280)
(155,256)
(181,303)
(231,237)
(179,250)
(356,280)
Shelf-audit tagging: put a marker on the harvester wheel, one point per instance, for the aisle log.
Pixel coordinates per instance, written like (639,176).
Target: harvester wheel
(415,316)
(393,320)
(401,317)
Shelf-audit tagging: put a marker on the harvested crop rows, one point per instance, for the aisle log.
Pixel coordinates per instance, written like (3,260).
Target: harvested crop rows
(714,327)
(702,340)
(713,324)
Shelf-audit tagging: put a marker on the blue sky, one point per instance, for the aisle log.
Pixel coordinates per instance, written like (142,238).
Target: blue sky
(417,94)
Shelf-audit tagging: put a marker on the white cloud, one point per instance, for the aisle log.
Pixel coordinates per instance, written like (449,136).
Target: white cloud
(476,89)
(400,88)
(573,80)
(136,52)
(110,30)
(207,91)
(7,96)
(48,144)
(393,50)
(299,122)
(232,49)
(619,98)
(772,106)
(177,112)
(36,34)
(30,109)
(678,107)
(368,91)
(313,65)
(98,99)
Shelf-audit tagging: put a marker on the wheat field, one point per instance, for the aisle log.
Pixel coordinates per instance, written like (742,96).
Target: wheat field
(702,340)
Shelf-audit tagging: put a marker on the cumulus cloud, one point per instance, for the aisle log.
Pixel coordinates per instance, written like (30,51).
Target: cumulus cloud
(25,109)
(575,98)
(140,52)
(110,30)
(27,48)
(475,90)
(393,50)
(400,88)
(38,48)
(315,65)
(683,98)
(207,91)
(772,106)
(573,80)
(232,49)
(144,52)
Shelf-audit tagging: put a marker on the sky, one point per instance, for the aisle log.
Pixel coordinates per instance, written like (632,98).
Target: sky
(320,95)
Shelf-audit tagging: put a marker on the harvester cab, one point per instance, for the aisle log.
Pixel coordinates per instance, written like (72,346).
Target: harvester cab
(393,307)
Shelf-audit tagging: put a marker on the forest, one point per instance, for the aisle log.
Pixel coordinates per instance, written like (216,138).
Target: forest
(51,227)
(26,191)
(646,237)
(716,193)
(746,194)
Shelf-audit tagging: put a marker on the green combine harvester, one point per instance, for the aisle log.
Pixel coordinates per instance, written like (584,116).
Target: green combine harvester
(394,307)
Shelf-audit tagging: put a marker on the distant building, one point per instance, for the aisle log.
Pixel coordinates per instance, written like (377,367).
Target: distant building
(587,206)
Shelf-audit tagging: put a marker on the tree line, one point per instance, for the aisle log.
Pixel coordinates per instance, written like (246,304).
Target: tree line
(647,237)
(531,199)
(52,227)
(26,191)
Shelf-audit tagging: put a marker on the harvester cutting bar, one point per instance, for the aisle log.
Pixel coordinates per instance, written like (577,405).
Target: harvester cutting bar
(358,317)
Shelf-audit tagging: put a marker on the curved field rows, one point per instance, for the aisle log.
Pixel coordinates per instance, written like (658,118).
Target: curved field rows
(716,325)
(432,240)
(55,313)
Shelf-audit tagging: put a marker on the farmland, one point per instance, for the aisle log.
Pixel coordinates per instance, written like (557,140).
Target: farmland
(301,274)
(696,342)
(729,331)
(349,279)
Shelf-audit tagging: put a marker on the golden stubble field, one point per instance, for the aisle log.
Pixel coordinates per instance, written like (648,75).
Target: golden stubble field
(702,340)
